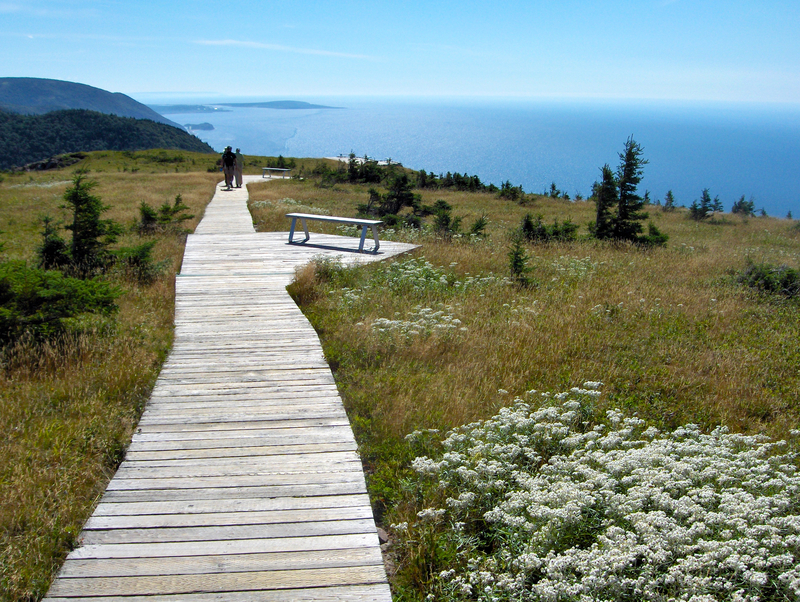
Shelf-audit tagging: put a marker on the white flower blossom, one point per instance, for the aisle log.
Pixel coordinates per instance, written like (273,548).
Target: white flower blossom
(611,511)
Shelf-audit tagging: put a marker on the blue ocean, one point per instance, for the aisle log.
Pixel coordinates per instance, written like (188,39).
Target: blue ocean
(731,149)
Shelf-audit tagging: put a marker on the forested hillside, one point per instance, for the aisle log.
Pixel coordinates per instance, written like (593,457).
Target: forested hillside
(28,138)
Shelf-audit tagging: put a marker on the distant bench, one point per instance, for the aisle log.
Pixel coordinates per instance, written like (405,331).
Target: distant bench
(364,223)
(282,172)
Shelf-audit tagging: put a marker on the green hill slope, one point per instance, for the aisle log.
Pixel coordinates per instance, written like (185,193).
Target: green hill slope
(35,96)
(28,138)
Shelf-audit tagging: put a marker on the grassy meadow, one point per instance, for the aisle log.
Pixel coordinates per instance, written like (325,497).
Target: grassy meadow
(68,406)
(443,337)
(435,339)
(668,330)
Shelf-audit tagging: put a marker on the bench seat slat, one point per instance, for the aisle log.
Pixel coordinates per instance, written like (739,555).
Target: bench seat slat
(332,218)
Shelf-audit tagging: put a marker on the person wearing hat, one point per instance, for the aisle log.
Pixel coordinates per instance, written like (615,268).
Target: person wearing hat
(228,166)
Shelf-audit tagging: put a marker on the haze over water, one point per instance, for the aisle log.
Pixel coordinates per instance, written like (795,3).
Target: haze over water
(732,149)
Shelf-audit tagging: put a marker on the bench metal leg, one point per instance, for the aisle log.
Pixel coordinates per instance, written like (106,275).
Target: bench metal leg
(375,236)
(291,230)
(363,238)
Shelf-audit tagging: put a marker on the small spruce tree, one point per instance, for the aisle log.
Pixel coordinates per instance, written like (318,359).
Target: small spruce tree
(478,227)
(744,208)
(53,253)
(669,201)
(91,236)
(626,224)
(700,210)
(605,198)
(518,262)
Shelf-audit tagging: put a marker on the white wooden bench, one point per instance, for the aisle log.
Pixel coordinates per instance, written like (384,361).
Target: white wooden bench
(268,171)
(364,223)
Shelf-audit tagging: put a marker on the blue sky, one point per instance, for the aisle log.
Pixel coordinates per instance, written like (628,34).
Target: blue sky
(713,50)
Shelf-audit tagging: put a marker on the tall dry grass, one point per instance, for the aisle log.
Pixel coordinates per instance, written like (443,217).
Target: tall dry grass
(668,330)
(68,406)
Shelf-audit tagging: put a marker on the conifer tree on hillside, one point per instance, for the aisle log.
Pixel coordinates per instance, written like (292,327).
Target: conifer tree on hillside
(619,206)
(606,198)
(669,201)
(700,210)
(744,208)
(91,236)
(627,223)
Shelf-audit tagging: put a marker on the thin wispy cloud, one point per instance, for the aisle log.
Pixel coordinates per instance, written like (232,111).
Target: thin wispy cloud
(281,48)
(84,37)
(10,8)
(16,8)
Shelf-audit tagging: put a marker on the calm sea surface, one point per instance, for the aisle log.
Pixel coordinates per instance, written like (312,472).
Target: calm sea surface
(731,149)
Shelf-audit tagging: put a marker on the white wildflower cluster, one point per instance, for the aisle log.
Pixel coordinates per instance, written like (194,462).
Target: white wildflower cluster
(552,508)
(573,267)
(288,202)
(419,275)
(415,277)
(421,322)
(349,296)
(416,274)
(420,435)
(315,210)
(404,234)
(348,230)
(519,315)
(34,184)
(470,282)
(280,202)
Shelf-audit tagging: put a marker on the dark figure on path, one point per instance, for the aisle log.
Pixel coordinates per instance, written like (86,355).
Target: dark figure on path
(238,169)
(228,166)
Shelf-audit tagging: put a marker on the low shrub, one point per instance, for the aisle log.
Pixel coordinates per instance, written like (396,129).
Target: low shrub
(39,302)
(137,264)
(534,230)
(168,218)
(653,238)
(780,280)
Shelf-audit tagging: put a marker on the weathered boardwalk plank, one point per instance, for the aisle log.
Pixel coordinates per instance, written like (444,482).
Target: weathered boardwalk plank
(242,481)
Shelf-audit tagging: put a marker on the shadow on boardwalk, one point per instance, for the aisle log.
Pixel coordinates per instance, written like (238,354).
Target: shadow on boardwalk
(242,482)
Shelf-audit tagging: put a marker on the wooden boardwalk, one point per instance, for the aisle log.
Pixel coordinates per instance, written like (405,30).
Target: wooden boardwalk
(242,482)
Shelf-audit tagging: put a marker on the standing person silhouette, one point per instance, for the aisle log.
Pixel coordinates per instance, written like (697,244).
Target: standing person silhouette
(228,166)
(238,169)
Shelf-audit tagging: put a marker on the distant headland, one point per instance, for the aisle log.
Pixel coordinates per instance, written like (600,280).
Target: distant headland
(217,107)
(277,104)
(183,109)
